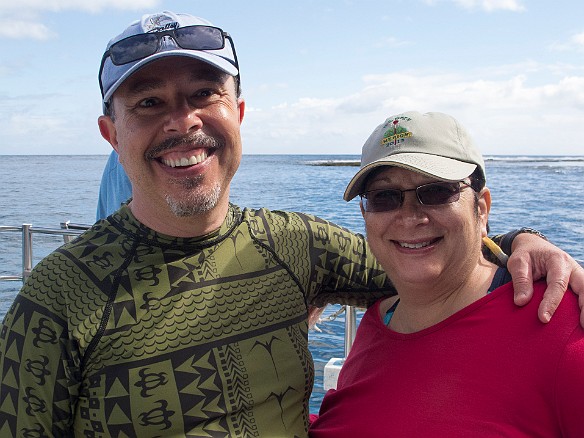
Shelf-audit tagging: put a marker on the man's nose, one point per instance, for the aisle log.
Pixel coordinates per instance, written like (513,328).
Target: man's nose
(183,119)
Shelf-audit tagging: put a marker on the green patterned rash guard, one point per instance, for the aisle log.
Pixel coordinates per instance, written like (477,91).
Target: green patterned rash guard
(126,332)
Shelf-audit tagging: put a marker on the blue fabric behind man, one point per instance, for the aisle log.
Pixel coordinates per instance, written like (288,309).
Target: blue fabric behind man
(114,189)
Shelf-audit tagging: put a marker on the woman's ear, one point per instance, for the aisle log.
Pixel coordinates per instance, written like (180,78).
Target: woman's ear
(484,207)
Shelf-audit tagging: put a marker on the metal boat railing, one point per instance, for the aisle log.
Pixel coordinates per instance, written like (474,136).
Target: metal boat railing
(350,327)
(333,367)
(68,231)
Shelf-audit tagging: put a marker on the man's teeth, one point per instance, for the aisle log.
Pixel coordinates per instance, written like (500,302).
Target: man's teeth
(183,162)
(414,245)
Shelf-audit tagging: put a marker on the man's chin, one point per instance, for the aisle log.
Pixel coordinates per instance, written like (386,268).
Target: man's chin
(194,204)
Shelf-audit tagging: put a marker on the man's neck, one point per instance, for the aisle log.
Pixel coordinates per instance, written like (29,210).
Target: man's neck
(165,222)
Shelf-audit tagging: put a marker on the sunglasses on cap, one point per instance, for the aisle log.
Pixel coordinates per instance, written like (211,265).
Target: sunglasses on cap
(437,193)
(199,37)
(140,46)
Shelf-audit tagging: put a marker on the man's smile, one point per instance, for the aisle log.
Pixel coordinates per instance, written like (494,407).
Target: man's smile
(185,160)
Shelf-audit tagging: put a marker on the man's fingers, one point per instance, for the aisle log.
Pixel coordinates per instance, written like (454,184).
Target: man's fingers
(552,297)
(520,270)
(529,263)
(577,280)
(577,285)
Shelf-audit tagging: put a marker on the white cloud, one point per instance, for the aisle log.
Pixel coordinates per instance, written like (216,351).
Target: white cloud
(17,29)
(487,5)
(493,5)
(507,114)
(392,43)
(38,6)
(23,19)
(30,126)
(575,43)
(578,39)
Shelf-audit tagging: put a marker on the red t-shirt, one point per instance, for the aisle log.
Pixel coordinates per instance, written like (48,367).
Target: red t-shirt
(491,369)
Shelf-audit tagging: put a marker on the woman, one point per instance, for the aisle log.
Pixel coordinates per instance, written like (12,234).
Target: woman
(442,360)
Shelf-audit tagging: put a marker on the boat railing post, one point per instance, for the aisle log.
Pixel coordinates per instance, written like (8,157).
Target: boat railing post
(26,251)
(65,226)
(350,327)
(334,365)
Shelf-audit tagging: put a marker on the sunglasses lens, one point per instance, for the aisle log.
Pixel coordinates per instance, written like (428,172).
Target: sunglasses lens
(200,38)
(439,193)
(381,200)
(191,37)
(133,48)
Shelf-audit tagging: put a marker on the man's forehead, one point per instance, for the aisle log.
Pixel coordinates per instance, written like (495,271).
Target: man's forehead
(168,70)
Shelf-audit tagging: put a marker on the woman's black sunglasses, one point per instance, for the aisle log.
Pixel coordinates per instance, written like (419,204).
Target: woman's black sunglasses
(438,193)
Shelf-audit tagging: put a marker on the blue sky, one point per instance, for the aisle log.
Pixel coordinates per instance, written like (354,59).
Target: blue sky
(318,76)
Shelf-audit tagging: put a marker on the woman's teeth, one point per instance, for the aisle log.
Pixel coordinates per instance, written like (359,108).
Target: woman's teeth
(414,245)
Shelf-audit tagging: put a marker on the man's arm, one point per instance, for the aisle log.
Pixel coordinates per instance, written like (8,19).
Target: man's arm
(532,258)
(39,369)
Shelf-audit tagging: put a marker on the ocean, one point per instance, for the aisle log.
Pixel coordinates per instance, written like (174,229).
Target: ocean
(542,192)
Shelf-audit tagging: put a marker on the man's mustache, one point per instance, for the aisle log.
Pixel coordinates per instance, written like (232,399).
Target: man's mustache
(200,139)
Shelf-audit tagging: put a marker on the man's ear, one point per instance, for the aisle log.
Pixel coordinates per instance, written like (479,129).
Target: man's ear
(241,107)
(108,131)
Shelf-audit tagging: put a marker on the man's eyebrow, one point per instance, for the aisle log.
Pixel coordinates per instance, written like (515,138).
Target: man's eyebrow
(146,85)
(211,75)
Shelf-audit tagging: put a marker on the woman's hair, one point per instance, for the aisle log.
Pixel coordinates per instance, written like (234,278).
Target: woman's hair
(477,180)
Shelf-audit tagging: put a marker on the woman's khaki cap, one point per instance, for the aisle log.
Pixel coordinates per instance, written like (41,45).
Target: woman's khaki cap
(433,144)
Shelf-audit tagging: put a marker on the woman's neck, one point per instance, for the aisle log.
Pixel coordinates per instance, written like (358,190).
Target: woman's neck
(424,305)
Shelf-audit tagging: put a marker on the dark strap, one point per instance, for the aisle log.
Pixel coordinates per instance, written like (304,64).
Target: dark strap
(501,277)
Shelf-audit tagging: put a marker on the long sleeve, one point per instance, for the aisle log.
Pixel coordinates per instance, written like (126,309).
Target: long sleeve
(39,366)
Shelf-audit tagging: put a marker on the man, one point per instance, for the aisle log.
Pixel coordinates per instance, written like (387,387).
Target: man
(181,314)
